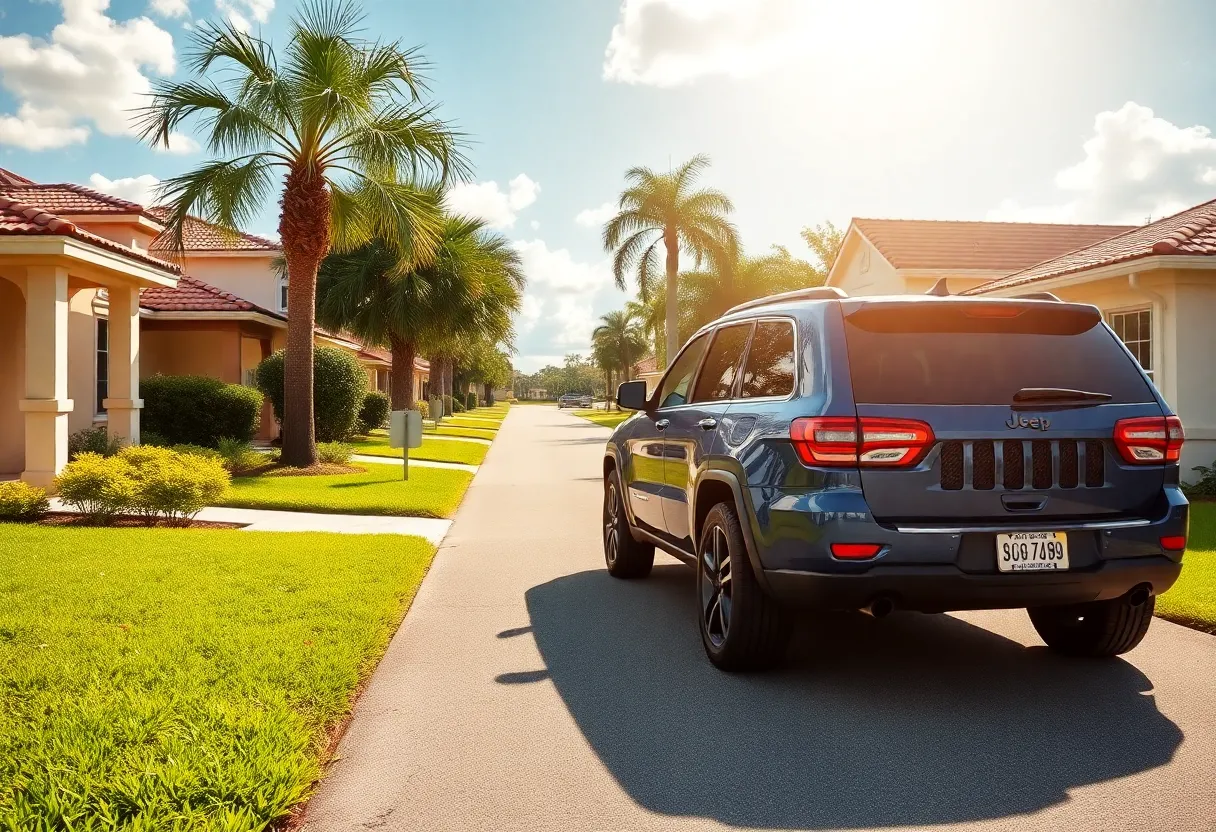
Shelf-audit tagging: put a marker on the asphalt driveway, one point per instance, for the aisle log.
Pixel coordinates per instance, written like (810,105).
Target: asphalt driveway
(526,690)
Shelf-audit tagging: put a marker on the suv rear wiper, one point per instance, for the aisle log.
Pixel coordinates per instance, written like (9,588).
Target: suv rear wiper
(1056,398)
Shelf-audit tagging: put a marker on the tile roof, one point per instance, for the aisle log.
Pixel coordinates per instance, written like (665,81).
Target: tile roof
(193,295)
(7,177)
(200,235)
(1191,232)
(650,364)
(18,219)
(376,354)
(995,246)
(70,200)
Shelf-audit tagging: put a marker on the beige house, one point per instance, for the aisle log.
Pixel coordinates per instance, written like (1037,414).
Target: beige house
(72,264)
(90,304)
(1155,285)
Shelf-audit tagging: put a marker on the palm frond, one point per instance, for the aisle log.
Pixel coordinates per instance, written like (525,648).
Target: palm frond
(686,174)
(406,217)
(227,193)
(628,252)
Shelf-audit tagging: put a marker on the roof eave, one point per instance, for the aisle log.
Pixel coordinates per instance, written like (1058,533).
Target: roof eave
(1123,267)
(72,250)
(213,315)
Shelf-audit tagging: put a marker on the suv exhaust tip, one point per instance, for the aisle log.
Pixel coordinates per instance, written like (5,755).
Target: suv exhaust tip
(1139,595)
(879,607)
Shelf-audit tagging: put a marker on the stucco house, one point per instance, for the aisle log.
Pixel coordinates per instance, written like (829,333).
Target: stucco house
(90,303)
(1155,285)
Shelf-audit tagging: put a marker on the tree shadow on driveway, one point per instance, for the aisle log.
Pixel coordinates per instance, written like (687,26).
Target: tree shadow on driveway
(913,720)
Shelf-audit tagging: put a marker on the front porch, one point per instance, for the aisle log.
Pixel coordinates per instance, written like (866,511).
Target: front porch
(60,370)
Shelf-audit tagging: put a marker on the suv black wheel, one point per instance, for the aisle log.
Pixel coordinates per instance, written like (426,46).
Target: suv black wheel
(625,557)
(741,627)
(1097,628)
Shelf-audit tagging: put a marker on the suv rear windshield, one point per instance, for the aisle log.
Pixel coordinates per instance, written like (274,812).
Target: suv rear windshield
(941,359)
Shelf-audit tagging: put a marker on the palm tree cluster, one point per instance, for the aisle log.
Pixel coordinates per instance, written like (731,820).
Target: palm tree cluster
(666,215)
(342,128)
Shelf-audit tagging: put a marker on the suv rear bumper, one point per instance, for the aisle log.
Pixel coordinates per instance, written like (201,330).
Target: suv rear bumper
(942,588)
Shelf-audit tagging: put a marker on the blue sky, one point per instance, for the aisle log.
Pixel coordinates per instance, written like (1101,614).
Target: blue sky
(1079,111)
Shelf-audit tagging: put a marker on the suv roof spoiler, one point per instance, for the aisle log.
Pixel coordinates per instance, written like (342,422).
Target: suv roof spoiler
(814,293)
(1038,296)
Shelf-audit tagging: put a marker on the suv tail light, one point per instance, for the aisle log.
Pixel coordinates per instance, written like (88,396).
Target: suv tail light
(1149,440)
(868,442)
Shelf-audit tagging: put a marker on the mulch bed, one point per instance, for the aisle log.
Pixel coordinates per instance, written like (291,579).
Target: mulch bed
(126,521)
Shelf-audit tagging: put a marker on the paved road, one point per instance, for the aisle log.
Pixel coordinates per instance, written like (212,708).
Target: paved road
(529,691)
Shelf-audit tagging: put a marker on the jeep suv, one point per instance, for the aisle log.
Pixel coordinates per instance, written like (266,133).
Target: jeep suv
(917,453)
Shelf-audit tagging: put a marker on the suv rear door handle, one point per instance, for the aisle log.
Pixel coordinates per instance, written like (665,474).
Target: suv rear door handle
(708,423)
(662,424)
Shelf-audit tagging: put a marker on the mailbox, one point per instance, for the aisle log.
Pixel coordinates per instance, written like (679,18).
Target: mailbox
(436,408)
(405,429)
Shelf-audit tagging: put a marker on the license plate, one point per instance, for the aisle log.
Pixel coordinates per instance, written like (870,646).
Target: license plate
(1032,551)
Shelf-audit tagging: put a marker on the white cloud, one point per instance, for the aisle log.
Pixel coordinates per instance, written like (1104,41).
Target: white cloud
(141,189)
(595,217)
(90,72)
(1136,165)
(179,145)
(535,224)
(170,8)
(559,304)
(244,13)
(670,42)
(489,202)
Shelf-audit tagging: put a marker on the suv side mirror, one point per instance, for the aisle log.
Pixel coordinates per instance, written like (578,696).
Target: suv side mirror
(632,395)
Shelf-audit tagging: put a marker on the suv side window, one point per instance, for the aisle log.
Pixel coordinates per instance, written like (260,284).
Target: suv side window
(769,368)
(675,386)
(717,379)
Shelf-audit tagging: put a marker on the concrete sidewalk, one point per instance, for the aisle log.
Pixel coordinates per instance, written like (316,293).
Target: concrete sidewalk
(527,690)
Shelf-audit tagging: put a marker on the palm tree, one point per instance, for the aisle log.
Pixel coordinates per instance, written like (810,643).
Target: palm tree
(651,314)
(706,295)
(664,208)
(617,342)
(339,118)
(370,293)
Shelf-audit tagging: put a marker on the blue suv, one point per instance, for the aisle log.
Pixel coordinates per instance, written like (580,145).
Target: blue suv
(920,453)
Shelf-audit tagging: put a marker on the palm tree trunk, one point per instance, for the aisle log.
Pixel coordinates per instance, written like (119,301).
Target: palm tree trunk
(304,231)
(672,242)
(402,372)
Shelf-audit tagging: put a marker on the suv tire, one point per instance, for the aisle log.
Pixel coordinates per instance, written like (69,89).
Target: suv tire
(1095,629)
(741,627)
(624,556)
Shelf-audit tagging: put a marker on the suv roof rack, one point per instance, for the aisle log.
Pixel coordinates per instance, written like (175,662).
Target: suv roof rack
(1038,296)
(813,293)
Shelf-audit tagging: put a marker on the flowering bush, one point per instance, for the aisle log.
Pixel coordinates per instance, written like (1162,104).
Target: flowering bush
(96,486)
(22,501)
(334,453)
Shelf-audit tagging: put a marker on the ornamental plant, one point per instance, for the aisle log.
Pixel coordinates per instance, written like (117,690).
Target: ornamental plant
(22,501)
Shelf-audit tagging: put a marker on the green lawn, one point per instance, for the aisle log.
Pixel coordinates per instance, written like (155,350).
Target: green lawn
(471,422)
(605,418)
(429,492)
(448,429)
(439,450)
(159,679)
(1192,601)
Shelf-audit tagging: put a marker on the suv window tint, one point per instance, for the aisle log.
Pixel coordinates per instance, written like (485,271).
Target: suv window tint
(675,385)
(972,367)
(769,369)
(717,378)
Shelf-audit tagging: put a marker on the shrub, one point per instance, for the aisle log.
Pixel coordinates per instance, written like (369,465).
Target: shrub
(171,484)
(339,385)
(1205,486)
(334,453)
(96,486)
(199,410)
(423,408)
(151,437)
(470,402)
(457,406)
(197,450)
(374,412)
(22,501)
(238,457)
(95,440)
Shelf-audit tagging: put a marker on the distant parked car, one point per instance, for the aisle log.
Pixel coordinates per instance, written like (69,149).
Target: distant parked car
(916,453)
(575,400)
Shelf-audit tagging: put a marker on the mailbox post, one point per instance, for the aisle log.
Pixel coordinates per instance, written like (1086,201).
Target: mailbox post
(405,432)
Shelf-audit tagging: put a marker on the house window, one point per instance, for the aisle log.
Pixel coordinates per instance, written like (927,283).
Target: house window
(103,363)
(1135,328)
(282,294)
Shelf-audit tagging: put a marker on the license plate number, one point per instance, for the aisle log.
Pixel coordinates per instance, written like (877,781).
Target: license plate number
(1032,551)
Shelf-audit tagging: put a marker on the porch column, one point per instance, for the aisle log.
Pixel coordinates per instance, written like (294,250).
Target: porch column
(46,404)
(123,404)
